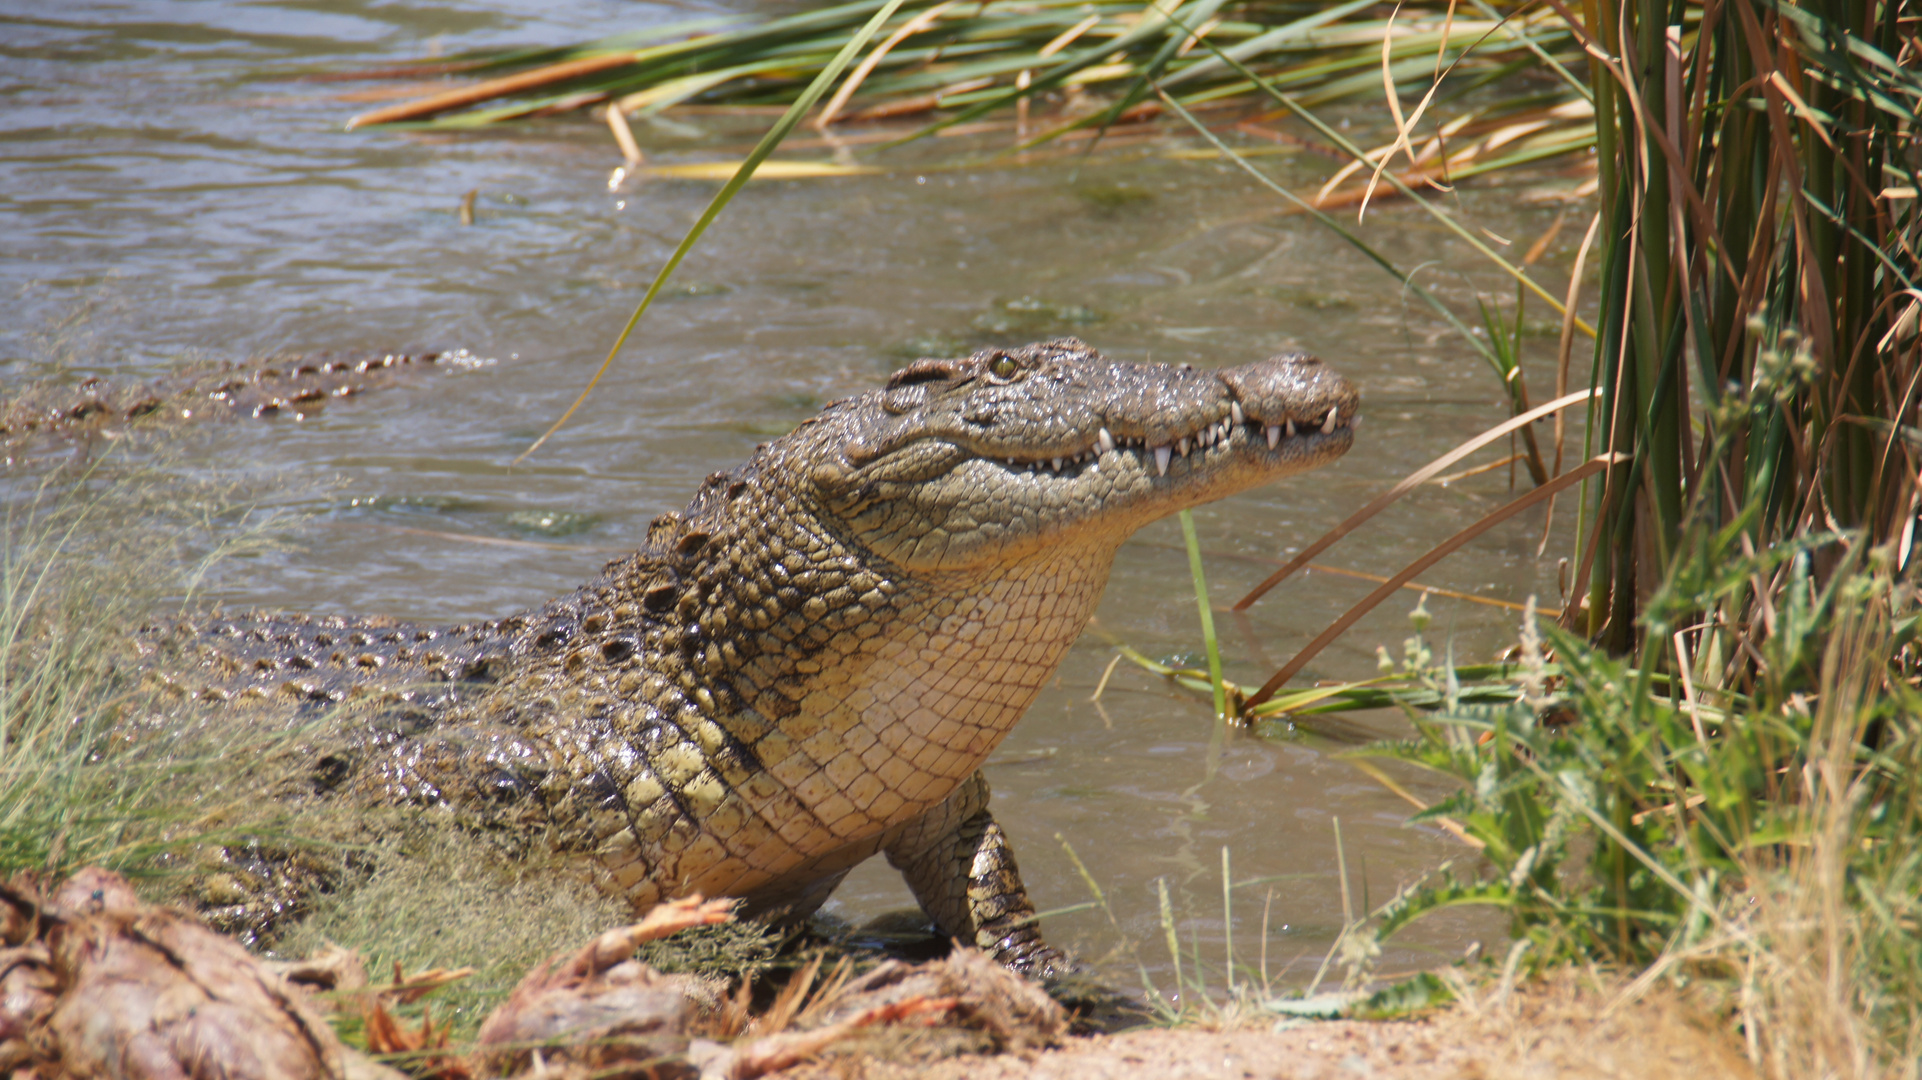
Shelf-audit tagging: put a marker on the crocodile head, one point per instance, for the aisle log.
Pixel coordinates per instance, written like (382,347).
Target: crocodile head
(988,459)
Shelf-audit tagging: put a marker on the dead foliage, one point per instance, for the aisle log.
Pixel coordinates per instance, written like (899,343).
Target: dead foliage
(96,983)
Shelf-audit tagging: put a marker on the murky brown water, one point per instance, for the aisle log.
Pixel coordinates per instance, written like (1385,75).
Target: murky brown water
(167,192)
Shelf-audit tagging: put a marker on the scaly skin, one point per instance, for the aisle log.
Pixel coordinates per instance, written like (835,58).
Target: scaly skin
(293,386)
(810,664)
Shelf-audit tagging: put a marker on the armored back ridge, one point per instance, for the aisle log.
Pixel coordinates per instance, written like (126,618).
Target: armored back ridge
(810,664)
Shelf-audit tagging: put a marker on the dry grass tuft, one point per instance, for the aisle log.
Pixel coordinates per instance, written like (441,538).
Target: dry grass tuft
(439,896)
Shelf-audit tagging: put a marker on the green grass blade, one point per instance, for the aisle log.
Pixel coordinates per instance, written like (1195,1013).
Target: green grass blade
(772,139)
(1207,613)
(1271,39)
(1541,54)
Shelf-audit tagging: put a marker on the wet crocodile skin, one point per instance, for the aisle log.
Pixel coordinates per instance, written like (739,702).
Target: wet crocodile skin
(808,665)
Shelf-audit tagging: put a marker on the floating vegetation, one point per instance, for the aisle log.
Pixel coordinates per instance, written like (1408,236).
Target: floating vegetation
(1061,68)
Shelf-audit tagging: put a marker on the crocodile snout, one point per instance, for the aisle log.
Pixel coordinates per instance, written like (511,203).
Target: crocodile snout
(1292,393)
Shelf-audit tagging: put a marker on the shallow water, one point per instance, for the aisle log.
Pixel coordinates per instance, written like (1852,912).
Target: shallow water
(170,192)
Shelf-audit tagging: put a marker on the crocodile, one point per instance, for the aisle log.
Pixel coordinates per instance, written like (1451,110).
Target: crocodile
(808,665)
(43,415)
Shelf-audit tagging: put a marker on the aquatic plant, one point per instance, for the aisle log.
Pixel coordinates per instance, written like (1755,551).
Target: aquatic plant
(1063,67)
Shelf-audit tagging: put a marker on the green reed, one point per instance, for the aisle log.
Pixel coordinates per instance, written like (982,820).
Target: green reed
(1082,63)
(1758,254)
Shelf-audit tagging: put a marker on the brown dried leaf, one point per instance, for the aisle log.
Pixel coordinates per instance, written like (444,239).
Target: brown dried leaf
(773,1053)
(385,1035)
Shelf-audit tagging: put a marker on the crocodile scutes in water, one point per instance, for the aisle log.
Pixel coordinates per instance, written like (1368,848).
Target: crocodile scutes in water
(809,665)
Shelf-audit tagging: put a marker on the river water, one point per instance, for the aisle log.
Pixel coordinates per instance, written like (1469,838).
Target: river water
(172,192)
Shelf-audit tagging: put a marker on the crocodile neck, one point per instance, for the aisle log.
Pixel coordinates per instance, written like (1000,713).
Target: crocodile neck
(764,636)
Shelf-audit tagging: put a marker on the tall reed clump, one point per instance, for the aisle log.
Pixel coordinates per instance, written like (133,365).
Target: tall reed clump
(1757,362)
(1757,344)
(1718,773)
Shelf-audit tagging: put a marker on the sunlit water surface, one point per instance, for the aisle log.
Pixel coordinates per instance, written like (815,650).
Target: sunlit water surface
(169,192)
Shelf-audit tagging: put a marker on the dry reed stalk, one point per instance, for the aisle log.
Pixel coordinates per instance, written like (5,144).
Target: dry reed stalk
(464,96)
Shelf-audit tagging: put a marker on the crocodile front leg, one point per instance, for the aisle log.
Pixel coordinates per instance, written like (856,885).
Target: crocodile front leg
(957,861)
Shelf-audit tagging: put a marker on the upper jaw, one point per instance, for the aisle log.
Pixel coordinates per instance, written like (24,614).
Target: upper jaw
(1163,448)
(1290,405)
(1074,409)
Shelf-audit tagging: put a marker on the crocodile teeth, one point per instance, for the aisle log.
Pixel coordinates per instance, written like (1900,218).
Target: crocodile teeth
(1274,436)
(1057,464)
(1291,429)
(1227,429)
(1187,444)
(1106,440)
(1206,437)
(1234,410)
(1162,454)
(1328,425)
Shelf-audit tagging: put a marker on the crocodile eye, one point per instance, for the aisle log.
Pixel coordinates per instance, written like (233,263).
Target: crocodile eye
(1004,367)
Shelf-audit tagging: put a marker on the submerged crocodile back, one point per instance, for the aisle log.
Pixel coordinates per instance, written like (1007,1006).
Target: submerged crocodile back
(509,718)
(383,708)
